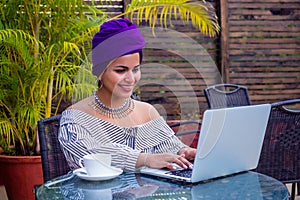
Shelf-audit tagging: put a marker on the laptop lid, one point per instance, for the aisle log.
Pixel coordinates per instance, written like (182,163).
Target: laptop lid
(230,141)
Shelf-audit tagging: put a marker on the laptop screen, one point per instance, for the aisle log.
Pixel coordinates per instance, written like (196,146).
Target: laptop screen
(230,141)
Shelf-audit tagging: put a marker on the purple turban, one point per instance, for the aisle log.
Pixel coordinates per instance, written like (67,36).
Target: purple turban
(116,38)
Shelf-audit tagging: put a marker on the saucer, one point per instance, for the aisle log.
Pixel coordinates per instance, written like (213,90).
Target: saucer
(81,173)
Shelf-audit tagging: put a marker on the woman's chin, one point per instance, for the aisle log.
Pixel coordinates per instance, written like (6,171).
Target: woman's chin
(125,95)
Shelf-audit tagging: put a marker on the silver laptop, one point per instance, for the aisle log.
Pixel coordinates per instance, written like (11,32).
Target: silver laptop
(230,141)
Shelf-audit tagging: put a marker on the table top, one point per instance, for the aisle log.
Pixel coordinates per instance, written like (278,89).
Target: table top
(247,185)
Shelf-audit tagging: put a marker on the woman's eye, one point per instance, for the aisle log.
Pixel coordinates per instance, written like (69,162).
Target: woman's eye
(120,71)
(136,69)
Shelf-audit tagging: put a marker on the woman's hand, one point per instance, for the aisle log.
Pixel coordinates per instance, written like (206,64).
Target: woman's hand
(165,160)
(189,153)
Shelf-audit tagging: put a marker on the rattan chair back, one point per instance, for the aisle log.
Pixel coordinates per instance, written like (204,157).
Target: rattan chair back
(54,163)
(280,156)
(226,95)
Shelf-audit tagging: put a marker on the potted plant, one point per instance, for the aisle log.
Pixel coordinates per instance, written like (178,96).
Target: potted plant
(42,49)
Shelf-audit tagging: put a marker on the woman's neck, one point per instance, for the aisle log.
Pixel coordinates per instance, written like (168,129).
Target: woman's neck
(116,108)
(110,100)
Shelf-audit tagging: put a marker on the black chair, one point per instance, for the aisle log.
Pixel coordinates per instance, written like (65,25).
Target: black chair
(54,163)
(226,95)
(280,156)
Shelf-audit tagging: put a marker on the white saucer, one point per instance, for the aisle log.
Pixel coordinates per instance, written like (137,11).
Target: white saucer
(81,173)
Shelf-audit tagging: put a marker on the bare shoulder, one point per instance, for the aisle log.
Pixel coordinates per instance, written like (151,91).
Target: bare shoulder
(82,105)
(146,109)
(143,105)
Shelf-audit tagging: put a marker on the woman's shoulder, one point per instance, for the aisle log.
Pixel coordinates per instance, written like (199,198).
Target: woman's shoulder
(146,109)
(82,105)
(143,104)
(80,110)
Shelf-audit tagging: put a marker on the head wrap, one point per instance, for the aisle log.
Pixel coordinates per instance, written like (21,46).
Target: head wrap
(116,38)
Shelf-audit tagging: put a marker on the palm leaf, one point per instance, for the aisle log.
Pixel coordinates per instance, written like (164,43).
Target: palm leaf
(200,13)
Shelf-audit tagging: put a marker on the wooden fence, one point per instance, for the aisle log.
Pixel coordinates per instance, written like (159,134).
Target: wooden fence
(258,47)
(262,41)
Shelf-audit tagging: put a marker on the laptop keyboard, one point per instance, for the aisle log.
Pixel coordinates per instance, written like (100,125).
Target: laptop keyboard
(187,173)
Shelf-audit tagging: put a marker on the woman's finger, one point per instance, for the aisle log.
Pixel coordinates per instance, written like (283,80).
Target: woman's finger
(182,162)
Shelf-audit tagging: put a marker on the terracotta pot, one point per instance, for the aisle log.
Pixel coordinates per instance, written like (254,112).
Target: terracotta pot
(19,175)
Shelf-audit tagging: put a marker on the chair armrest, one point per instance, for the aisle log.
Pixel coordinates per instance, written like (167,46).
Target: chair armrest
(185,122)
(187,132)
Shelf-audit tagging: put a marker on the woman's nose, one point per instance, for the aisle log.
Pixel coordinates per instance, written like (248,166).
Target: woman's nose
(129,76)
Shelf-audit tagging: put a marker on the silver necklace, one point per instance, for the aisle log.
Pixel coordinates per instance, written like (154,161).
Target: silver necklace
(113,113)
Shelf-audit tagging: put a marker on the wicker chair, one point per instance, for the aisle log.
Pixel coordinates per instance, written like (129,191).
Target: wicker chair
(226,95)
(54,163)
(280,156)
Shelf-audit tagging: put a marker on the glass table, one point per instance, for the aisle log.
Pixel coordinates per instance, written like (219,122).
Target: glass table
(247,185)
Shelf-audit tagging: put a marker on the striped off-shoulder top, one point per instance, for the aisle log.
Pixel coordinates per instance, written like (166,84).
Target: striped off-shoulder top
(81,134)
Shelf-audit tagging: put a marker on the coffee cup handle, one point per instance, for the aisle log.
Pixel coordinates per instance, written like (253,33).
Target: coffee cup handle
(80,162)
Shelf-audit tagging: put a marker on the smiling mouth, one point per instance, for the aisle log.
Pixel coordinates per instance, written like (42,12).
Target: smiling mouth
(127,87)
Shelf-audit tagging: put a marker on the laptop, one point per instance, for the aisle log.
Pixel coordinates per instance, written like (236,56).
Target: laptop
(230,142)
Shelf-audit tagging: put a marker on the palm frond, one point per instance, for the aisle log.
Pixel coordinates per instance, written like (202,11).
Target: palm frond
(17,35)
(200,13)
(8,140)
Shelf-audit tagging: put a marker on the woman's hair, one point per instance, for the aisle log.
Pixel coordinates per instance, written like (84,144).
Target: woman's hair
(116,38)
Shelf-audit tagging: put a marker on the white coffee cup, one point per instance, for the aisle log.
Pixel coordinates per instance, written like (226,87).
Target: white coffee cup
(96,164)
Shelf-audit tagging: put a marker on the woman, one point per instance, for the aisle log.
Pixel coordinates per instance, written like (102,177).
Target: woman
(109,121)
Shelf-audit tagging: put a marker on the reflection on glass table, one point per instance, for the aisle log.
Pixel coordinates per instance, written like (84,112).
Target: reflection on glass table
(247,185)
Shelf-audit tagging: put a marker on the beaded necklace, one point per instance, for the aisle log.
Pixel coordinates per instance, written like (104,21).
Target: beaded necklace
(113,113)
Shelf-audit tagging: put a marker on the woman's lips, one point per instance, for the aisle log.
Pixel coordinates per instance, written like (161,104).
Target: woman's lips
(127,88)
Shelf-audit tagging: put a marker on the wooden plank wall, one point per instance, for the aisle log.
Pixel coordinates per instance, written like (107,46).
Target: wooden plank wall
(259,47)
(111,7)
(264,48)
(179,62)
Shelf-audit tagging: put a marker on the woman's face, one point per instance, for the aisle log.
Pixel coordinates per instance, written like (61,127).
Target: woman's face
(121,76)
